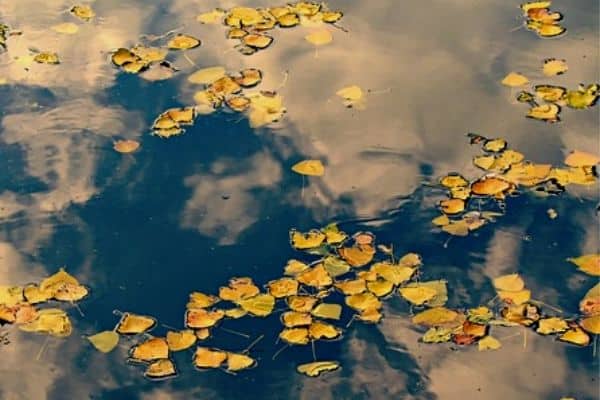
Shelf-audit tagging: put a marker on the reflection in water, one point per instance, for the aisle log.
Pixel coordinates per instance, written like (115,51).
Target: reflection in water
(189,200)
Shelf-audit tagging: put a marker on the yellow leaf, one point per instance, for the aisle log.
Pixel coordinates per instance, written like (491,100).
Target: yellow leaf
(181,340)
(495,145)
(201,300)
(309,167)
(578,158)
(575,335)
(515,297)
(363,301)
(52,321)
(316,368)
(544,112)
(316,277)
(257,41)
(149,54)
(160,369)
(442,220)
(453,180)
(126,146)
(349,287)
(149,350)
(357,256)
(490,186)
(515,79)
(535,4)
(183,42)
(590,304)
(200,318)
(488,343)
(417,295)
(583,97)
(292,319)
(83,12)
(301,303)
(319,38)
(393,273)
(321,330)
(33,294)
(283,287)
(410,260)
(509,283)
(591,324)
(235,313)
(260,305)
(452,206)
(437,335)
(239,288)
(11,295)
(105,341)
(351,93)
(553,67)
(67,28)
(297,336)
(328,311)
(589,263)
(370,315)
(238,362)
(212,17)
(484,162)
(203,334)
(131,324)
(548,326)
(294,267)
(207,76)
(380,287)
(437,316)
(208,358)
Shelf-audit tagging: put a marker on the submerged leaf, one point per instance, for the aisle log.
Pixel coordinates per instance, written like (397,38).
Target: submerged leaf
(207,76)
(319,38)
(327,311)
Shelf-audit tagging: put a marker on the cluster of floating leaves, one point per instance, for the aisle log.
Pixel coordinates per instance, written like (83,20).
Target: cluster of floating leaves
(21,305)
(171,122)
(541,20)
(546,100)
(262,107)
(506,171)
(249,25)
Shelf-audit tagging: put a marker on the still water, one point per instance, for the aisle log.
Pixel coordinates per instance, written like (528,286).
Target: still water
(143,230)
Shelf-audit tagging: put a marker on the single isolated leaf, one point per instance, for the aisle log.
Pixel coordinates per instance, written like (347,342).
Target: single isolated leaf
(207,76)
(488,343)
(132,324)
(297,336)
(126,146)
(212,17)
(83,12)
(316,368)
(183,42)
(238,362)
(589,263)
(515,79)
(309,168)
(105,341)
(68,28)
(319,38)
(509,283)
(553,66)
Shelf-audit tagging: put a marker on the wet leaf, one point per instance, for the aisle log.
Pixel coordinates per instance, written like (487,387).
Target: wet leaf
(515,79)
(357,256)
(52,321)
(509,283)
(207,76)
(490,186)
(589,263)
(201,300)
(578,158)
(309,167)
(363,301)
(265,108)
(294,267)
(238,103)
(104,341)
(160,369)
(11,295)
(523,314)
(126,146)
(380,287)
(149,350)
(238,362)
(393,273)
(203,334)
(480,315)
(321,330)
(553,66)
(316,368)
(46,58)
(591,324)
(212,17)
(544,112)
(437,316)
(319,38)
(590,304)
(83,12)
(332,16)
(495,145)
(132,324)
(239,288)
(437,335)
(575,335)
(67,28)
(488,343)
(183,42)
(283,287)
(260,305)
(297,336)
(249,77)
(516,298)
(257,41)
(582,98)
(316,277)
(353,286)
(432,293)
(333,235)
(549,326)
(288,20)
(528,174)
(550,93)
(209,358)
(200,318)
(452,206)
(292,319)
(301,303)
(352,95)
(181,340)
(327,311)
(370,315)
(236,313)
(335,266)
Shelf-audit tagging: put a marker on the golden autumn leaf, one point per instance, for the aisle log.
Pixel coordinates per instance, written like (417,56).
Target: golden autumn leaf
(583,97)
(453,180)
(260,305)
(83,12)
(301,303)
(327,311)
(357,256)
(52,321)
(201,318)
(589,263)
(591,324)
(132,324)
(551,325)
(488,343)
(160,369)
(239,289)
(370,315)
(67,28)
(183,42)
(207,76)
(322,330)
(509,283)
(283,287)
(126,146)
(575,335)
(590,304)
(545,112)
(212,17)
(380,287)
(351,286)
(515,79)
(553,66)
(319,38)
(452,206)
(437,335)
(104,341)
(309,168)
(181,340)
(209,358)
(515,297)
(238,362)
(201,300)
(11,295)
(294,267)
(394,273)
(433,293)
(578,158)
(437,316)
(490,186)
(316,277)
(292,319)
(149,350)
(363,301)
(316,368)
(351,95)
(297,336)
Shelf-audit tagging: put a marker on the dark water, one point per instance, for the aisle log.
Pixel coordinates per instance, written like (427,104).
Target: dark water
(188,213)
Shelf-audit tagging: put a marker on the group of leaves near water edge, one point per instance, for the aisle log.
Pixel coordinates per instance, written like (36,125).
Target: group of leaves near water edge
(250,26)
(541,20)
(506,173)
(547,99)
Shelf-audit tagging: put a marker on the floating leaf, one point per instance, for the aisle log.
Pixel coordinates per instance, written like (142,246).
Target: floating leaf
(238,362)
(335,266)
(432,293)
(321,330)
(67,28)
(590,304)
(327,311)
(315,277)
(283,287)
(260,305)
(488,343)
(209,358)
(160,369)
(105,341)
(132,324)
(550,93)
(181,340)
(292,319)
(316,368)
(589,263)
(370,315)
(553,66)
(575,335)
(207,76)
(578,158)
(249,77)
(126,146)
(298,336)
(395,274)
(257,41)
(11,295)
(410,260)
(515,79)
(453,180)
(149,350)
(363,301)
(52,321)
(83,12)
(437,335)
(437,316)
(516,298)
(46,58)
(201,300)
(523,314)
(239,288)
(352,95)
(203,334)
(294,267)
(32,293)
(200,318)
(301,303)
(212,17)
(333,234)
(319,38)
(309,167)
(183,42)
(380,287)
(548,326)
(509,283)
(490,186)
(591,324)
(357,256)
(452,206)
(495,145)
(583,97)
(353,286)
(544,112)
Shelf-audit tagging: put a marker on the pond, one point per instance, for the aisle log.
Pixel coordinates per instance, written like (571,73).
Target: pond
(141,230)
